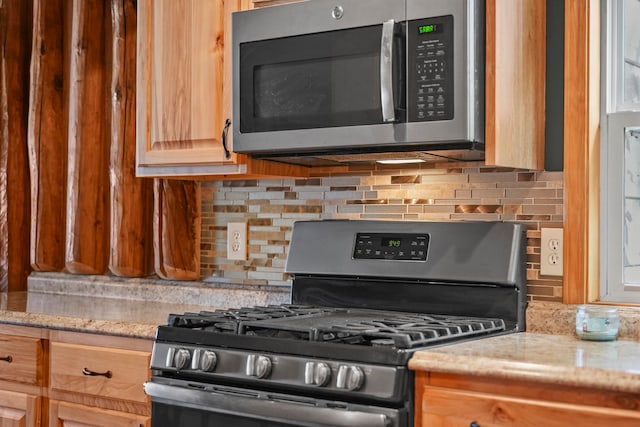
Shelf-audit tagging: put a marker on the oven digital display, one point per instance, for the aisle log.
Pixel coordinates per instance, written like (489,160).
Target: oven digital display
(387,246)
(391,242)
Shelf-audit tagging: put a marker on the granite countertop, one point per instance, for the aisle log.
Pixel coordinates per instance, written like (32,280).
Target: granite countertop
(549,351)
(110,316)
(131,308)
(556,359)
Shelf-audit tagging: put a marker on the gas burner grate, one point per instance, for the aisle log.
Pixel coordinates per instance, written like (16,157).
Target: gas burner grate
(375,328)
(418,331)
(361,327)
(230,321)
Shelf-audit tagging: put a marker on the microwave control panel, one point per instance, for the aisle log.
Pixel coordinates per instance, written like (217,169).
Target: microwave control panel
(398,247)
(430,65)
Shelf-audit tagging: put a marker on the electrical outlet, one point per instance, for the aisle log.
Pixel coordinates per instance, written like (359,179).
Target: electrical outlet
(551,247)
(237,240)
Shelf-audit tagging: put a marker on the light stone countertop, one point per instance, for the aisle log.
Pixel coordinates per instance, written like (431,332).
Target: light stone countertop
(130,308)
(554,359)
(110,316)
(549,351)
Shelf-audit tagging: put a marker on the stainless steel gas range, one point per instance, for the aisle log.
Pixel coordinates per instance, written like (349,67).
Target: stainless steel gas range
(365,296)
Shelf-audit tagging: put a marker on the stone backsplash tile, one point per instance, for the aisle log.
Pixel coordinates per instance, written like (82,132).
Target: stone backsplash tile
(271,206)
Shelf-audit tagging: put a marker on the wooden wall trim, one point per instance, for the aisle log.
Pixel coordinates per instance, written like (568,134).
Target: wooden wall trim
(581,146)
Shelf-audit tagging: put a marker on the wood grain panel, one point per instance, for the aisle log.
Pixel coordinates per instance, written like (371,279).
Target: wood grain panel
(15,48)
(515,83)
(63,414)
(187,73)
(87,180)
(131,238)
(47,142)
(19,410)
(177,223)
(448,408)
(21,359)
(581,152)
(129,370)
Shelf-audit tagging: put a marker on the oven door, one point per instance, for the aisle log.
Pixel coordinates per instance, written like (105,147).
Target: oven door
(182,403)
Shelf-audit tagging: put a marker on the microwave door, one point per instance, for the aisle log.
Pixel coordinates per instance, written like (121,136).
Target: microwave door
(324,86)
(311,81)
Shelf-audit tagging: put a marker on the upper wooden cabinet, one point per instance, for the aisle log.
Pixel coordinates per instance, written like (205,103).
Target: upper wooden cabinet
(515,83)
(183,92)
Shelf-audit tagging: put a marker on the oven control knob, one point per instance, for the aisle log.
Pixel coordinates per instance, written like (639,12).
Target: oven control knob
(182,358)
(258,366)
(317,373)
(204,360)
(350,377)
(208,362)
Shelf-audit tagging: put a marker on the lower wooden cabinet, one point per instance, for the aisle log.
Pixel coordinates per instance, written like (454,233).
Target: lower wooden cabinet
(98,371)
(20,409)
(447,400)
(70,379)
(97,380)
(23,367)
(63,414)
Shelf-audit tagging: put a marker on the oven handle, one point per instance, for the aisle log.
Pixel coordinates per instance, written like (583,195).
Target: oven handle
(253,407)
(386,71)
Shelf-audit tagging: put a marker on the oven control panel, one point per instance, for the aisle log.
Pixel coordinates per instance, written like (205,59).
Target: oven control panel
(391,246)
(208,364)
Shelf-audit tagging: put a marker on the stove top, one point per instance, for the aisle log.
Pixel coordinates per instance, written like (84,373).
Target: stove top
(365,296)
(361,327)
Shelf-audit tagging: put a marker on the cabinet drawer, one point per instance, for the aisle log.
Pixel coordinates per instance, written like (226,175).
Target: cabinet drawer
(99,371)
(21,359)
(70,414)
(449,408)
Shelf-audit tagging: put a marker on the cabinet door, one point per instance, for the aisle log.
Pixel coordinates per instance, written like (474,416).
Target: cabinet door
(448,408)
(98,371)
(180,83)
(21,359)
(63,414)
(19,410)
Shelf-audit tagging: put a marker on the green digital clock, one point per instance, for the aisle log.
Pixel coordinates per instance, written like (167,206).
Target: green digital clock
(391,243)
(430,28)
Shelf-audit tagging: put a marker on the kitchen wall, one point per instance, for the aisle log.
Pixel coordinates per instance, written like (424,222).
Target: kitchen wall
(434,193)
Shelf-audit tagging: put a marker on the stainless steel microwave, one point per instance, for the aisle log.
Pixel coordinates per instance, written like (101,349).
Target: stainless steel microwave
(324,78)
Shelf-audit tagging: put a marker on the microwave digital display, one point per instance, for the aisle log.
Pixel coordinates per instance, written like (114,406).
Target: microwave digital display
(431,28)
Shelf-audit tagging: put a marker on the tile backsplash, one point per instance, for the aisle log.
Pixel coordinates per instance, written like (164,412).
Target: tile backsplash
(271,206)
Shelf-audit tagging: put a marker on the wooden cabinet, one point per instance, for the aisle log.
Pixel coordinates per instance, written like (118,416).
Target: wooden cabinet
(97,380)
(23,365)
(98,371)
(184,93)
(19,409)
(447,400)
(58,378)
(21,359)
(63,414)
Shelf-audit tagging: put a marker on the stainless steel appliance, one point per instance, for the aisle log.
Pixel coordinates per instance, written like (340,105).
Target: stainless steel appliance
(365,296)
(321,78)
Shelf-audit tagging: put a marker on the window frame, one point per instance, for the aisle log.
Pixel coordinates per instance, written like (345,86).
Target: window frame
(616,117)
(581,151)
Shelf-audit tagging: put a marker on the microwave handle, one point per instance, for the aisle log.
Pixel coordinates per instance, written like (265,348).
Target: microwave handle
(386,71)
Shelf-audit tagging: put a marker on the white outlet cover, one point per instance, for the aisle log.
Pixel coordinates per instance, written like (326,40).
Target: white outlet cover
(551,248)
(237,241)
